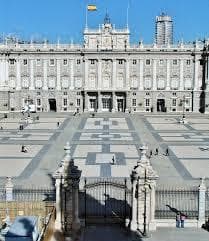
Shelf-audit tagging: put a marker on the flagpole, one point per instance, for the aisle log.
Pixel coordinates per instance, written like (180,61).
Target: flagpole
(127,15)
(86,17)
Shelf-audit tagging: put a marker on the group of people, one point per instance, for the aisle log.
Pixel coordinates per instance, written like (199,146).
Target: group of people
(157,152)
(180,218)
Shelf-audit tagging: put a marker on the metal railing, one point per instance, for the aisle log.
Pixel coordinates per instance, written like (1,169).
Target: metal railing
(170,200)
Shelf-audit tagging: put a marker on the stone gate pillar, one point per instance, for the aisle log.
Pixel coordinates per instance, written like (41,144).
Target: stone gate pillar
(67,190)
(201,203)
(143,186)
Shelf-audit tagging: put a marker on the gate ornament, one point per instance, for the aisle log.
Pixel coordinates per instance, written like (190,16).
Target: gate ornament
(143,178)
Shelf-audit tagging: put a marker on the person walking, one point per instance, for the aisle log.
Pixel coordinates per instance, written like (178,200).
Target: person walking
(150,155)
(178,219)
(182,218)
(156,151)
(113,160)
(167,152)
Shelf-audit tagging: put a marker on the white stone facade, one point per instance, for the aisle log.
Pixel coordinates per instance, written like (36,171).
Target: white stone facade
(106,73)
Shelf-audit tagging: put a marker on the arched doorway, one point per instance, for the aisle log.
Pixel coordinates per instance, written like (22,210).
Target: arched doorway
(52,105)
(161,103)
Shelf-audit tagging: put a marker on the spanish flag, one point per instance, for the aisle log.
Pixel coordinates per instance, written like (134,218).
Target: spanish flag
(92,7)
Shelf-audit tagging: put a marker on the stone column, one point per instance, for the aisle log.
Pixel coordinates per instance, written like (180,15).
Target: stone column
(71,74)
(133,225)
(181,75)
(45,85)
(146,180)
(127,85)
(99,80)
(18,85)
(58,221)
(58,75)
(196,80)
(154,86)
(9,189)
(1,74)
(114,77)
(114,104)
(99,102)
(31,75)
(86,104)
(201,203)
(168,74)
(152,224)
(141,74)
(86,82)
(6,72)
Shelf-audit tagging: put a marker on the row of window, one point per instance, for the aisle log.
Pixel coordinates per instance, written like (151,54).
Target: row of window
(92,61)
(65,102)
(173,103)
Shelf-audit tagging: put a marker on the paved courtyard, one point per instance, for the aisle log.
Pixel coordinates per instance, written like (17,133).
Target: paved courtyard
(104,146)
(114,233)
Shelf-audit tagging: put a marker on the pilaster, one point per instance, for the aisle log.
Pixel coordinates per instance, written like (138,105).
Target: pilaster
(86,81)
(196,65)
(31,75)
(154,87)
(181,87)
(45,85)
(18,85)
(99,83)
(168,74)
(127,85)
(72,74)
(58,74)
(141,74)
(114,77)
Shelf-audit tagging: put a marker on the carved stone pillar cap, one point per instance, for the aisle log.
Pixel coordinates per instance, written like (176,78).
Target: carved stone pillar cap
(143,150)
(9,182)
(202,184)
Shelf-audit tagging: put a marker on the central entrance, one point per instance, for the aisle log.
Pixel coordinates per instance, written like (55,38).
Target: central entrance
(106,104)
(161,105)
(52,105)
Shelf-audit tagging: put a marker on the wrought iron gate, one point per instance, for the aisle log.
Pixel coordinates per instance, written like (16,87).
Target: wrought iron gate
(105,201)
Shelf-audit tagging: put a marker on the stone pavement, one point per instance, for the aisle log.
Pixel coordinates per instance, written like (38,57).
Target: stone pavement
(115,233)
(105,146)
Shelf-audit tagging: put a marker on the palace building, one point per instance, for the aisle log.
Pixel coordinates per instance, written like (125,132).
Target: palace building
(106,73)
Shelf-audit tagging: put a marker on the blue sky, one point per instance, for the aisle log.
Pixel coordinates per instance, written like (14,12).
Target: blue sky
(66,18)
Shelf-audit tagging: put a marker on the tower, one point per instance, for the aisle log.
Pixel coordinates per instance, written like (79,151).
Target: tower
(163,30)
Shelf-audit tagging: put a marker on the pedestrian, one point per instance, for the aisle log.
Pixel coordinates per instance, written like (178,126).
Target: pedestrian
(113,160)
(167,152)
(23,149)
(156,151)
(58,124)
(182,218)
(150,155)
(178,220)
(1,128)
